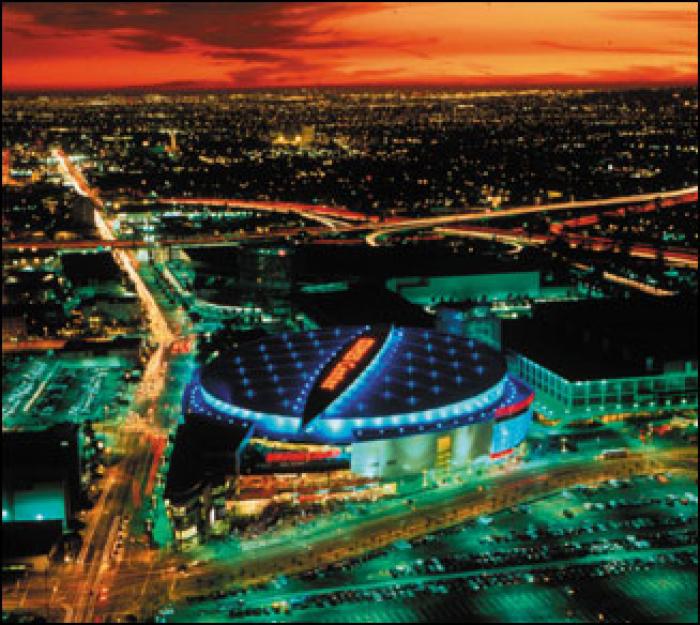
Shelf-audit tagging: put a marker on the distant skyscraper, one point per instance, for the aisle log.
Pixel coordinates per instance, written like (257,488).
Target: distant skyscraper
(308,136)
(266,268)
(173,142)
(6,162)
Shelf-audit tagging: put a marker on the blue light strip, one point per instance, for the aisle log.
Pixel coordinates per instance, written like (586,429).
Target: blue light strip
(435,415)
(342,429)
(274,422)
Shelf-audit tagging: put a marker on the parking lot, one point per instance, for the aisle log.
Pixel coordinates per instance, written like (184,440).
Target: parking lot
(624,549)
(39,391)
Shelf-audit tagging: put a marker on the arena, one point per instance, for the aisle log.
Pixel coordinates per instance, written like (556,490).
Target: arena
(381,401)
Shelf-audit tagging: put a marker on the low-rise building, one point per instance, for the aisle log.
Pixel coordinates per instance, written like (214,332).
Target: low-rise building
(584,359)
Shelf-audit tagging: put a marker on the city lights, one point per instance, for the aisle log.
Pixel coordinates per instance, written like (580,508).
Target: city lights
(375,312)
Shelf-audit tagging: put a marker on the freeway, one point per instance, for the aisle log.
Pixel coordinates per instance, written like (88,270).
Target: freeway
(680,257)
(331,216)
(671,257)
(43,345)
(340,220)
(432,222)
(6,178)
(629,282)
(212,240)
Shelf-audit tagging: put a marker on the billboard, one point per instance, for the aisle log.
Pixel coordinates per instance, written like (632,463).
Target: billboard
(265,457)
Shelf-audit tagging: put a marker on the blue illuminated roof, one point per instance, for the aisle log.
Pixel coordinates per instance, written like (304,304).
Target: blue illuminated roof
(275,374)
(415,370)
(420,370)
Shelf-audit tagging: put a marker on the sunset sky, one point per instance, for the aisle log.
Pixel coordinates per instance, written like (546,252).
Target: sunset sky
(49,46)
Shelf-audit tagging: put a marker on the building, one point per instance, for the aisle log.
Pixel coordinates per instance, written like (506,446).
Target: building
(267,268)
(381,402)
(355,304)
(308,135)
(337,413)
(30,545)
(430,290)
(14,323)
(586,360)
(474,321)
(41,474)
(266,276)
(304,138)
(82,213)
(200,477)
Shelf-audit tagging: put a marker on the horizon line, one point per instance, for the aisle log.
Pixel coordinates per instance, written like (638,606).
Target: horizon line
(619,86)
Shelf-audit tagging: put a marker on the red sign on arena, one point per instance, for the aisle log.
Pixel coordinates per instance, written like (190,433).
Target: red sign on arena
(301,456)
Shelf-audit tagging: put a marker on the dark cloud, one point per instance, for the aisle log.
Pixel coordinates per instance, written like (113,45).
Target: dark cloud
(298,43)
(146,42)
(225,25)
(292,71)
(172,85)
(250,56)
(22,32)
(376,74)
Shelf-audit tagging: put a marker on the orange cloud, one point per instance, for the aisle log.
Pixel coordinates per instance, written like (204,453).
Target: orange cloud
(50,46)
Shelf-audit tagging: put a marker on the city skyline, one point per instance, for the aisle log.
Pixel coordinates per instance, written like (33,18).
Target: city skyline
(239,46)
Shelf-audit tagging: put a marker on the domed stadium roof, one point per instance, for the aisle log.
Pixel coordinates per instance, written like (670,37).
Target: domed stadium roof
(354,383)
(409,370)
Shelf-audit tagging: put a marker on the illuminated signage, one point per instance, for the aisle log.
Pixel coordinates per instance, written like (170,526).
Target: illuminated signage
(301,456)
(182,346)
(507,411)
(501,454)
(347,363)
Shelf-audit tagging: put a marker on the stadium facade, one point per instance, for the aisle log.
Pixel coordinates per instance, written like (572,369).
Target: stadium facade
(381,401)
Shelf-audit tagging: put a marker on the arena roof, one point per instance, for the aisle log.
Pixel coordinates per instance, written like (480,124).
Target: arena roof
(413,370)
